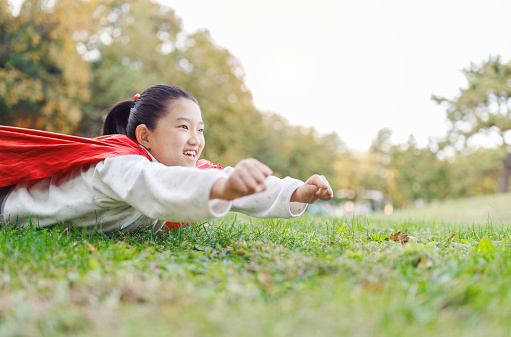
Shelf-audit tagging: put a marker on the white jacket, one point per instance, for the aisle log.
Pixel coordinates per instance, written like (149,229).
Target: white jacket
(125,192)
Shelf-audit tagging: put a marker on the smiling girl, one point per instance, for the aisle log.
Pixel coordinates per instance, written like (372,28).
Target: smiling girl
(142,173)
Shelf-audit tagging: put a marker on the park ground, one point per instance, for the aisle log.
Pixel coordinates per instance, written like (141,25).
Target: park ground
(446,273)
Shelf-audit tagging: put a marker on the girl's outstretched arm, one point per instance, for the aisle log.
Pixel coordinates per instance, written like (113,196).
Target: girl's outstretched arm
(315,188)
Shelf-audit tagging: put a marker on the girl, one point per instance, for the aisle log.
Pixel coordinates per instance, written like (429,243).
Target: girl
(141,173)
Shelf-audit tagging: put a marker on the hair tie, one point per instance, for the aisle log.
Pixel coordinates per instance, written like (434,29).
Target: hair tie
(137,96)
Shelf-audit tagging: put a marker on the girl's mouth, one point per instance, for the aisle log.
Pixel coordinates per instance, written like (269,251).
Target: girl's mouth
(191,154)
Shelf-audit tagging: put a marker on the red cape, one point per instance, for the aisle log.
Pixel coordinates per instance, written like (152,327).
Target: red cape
(27,154)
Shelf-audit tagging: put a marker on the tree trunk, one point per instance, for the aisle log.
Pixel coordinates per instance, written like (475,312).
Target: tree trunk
(504,177)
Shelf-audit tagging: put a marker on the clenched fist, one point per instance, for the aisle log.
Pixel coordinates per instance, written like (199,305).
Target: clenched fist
(248,178)
(315,188)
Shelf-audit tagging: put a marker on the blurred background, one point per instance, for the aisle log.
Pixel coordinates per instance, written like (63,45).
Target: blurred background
(399,104)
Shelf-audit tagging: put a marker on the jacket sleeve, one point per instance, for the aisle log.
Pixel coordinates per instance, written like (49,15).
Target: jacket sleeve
(274,202)
(168,193)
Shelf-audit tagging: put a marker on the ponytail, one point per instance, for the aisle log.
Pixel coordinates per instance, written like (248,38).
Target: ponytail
(116,121)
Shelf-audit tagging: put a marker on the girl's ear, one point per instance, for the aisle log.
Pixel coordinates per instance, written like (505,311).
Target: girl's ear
(142,134)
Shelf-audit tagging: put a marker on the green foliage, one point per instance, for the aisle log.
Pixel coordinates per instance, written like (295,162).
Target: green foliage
(294,150)
(407,172)
(420,174)
(43,79)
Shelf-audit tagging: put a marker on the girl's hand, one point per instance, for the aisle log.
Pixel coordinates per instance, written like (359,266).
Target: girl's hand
(315,188)
(248,178)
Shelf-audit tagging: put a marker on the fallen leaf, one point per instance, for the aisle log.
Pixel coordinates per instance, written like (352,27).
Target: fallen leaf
(91,247)
(132,295)
(402,237)
(374,286)
(266,281)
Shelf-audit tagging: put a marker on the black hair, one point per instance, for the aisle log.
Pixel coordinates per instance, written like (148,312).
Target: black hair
(153,104)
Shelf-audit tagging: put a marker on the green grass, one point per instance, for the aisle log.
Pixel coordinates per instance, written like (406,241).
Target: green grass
(239,276)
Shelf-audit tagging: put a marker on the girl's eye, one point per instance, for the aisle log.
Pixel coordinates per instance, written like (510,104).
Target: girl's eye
(201,130)
(183,127)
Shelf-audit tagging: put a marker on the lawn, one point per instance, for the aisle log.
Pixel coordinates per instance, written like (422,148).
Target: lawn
(475,210)
(239,276)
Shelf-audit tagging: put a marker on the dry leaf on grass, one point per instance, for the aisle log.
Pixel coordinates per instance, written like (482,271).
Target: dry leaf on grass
(374,286)
(266,281)
(401,237)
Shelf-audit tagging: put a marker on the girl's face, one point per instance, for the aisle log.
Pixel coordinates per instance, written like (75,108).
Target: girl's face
(178,138)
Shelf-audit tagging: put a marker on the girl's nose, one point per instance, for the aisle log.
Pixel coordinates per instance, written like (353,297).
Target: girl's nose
(194,139)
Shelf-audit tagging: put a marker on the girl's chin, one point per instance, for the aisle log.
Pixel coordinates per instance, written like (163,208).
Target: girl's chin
(189,163)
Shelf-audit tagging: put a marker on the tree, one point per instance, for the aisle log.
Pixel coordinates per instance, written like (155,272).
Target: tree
(43,80)
(474,173)
(418,174)
(483,107)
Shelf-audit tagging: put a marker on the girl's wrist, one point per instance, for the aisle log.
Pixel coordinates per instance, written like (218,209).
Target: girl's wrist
(294,196)
(217,189)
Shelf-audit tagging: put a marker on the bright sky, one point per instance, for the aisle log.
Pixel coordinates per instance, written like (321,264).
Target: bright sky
(355,66)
